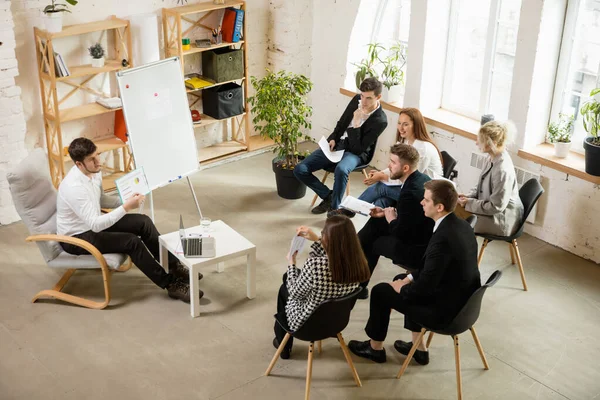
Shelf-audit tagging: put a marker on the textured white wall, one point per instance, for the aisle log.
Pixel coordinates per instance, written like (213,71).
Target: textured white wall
(12,118)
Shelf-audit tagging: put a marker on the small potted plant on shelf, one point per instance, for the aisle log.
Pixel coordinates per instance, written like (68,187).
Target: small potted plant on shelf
(392,76)
(53,15)
(281,113)
(591,123)
(560,134)
(367,67)
(97,53)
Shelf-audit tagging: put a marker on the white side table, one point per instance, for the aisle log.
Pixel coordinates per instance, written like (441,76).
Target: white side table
(229,243)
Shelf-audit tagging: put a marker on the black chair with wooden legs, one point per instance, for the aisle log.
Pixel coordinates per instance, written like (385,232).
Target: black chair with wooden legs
(362,168)
(328,320)
(529,193)
(464,321)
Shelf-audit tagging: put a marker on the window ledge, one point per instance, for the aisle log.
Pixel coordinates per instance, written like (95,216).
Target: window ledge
(440,118)
(574,164)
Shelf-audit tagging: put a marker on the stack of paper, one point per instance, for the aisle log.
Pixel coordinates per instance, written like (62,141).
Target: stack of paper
(333,156)
(356,205)
(297,245)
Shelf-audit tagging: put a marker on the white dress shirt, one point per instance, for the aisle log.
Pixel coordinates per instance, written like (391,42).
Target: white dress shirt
(437,223)
(78,205)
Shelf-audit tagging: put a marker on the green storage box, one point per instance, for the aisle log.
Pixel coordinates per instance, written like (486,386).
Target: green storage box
(223,64)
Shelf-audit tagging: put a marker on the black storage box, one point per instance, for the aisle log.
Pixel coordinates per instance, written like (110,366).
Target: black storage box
(223,101)
(222,65)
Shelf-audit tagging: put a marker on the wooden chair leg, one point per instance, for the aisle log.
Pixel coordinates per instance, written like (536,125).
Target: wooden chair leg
(364,171)
(311,350)
(277,354)
(485,243)
(348,188)
(429,339)
(457,357)
(349,359)
(520,264)
(320,346)
(512,254)
(479,348)
(56,292)
(411,353)
(314,200)
(126,266)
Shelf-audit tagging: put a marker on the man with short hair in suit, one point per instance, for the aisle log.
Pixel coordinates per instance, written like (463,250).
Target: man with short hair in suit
(433,295)
(356,132)
(400,233)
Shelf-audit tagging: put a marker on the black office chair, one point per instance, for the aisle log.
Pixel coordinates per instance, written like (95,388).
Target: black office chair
(529,193)
(472,220)
(361,168)
(328,320)
(449,164)
(464,321)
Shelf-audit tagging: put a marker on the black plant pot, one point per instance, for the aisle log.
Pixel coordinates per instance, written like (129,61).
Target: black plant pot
(288,186)
(592,157)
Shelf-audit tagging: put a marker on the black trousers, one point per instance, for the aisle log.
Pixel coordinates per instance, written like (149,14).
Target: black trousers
(134,235)
(282,299)
(384,299)
(376,241)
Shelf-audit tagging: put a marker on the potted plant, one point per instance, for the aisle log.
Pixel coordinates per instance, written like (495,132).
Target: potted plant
(97,53)
(53,15)
(392,75)
(560,134)
(591,123)
(367,67)
(281,114)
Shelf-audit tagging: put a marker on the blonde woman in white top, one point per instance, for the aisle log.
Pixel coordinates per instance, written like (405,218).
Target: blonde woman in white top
(384,191)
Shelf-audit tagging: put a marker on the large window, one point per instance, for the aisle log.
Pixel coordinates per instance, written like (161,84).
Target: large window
(377,21)
(579,63)
(480,57)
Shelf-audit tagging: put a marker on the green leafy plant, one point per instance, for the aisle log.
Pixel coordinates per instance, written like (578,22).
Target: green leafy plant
(367,66)
(561,131)
(96,51)
(393,74)
(281,112)
(56,7)
(591,116)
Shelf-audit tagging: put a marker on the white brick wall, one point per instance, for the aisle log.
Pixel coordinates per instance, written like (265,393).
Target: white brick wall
(12,119)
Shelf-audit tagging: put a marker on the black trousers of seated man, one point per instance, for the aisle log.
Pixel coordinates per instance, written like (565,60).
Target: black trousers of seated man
(376,241)
(384,299)
(282,299)
(136,236)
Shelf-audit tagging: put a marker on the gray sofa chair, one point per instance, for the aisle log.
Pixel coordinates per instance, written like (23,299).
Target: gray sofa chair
(34,198)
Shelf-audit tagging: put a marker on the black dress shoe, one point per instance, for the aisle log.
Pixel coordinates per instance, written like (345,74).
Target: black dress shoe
(364,349)
(323,207)
(181,271)
(287,350)
(364,294)
(420,356)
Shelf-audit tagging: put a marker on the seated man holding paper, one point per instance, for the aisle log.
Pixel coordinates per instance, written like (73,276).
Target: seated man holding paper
(400,233)
(356,135)
(79,199)
(334,268)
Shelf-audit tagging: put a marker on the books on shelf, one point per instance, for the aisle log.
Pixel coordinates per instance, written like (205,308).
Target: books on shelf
(233,24)
(196,82)
(61,67)
(110,103)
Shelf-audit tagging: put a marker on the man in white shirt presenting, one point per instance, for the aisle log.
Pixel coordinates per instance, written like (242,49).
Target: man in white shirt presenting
(79,201)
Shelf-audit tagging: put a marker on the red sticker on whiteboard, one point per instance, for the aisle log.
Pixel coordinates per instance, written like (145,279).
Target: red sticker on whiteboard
(155,94)
(127,86)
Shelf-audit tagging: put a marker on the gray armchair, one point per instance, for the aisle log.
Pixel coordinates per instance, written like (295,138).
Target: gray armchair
(35,201)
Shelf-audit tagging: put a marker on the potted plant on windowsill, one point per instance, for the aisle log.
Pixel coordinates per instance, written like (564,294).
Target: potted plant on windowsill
(392,76)
(591,123)
(367,67)
(281,114)
(53,15)
(560,134)
(97,53)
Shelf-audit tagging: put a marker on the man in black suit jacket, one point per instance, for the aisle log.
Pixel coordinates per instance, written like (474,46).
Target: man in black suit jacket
(433,295)
(400,233)
(356,132)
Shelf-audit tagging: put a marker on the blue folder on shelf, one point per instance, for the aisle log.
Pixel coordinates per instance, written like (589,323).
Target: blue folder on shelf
(239,25)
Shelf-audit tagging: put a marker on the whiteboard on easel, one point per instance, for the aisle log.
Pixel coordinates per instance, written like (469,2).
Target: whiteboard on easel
(159,123)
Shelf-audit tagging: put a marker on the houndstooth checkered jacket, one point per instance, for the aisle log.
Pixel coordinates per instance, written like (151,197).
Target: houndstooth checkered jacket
(310,286)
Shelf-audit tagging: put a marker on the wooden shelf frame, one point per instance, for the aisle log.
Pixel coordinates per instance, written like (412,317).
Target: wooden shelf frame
(53,115)
(194,16)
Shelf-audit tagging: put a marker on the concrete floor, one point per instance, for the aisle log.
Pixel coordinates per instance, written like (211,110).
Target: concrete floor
(540,344)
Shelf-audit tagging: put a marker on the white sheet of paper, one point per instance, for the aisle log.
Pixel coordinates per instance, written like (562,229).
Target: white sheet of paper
(333,156)
(356,205)
(297,245)
(133,182)
(392,183)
